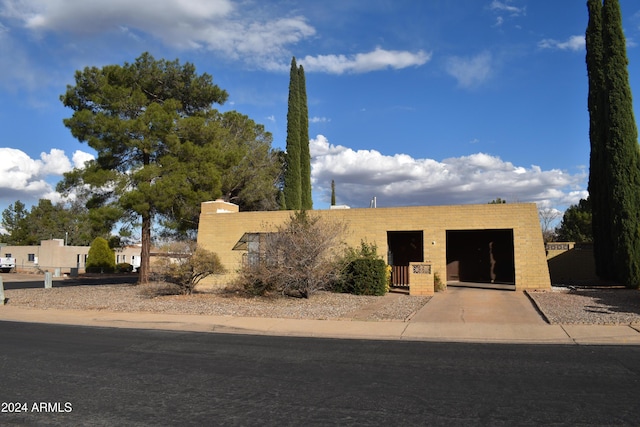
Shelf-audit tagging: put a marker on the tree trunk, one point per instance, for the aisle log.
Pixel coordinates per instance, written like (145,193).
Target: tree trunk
(145,252)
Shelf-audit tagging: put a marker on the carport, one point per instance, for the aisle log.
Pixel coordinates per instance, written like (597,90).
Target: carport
(480,257)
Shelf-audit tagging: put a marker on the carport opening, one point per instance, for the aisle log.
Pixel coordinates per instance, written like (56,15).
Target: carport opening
(480,256)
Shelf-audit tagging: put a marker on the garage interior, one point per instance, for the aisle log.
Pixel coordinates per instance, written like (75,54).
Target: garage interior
(480,257)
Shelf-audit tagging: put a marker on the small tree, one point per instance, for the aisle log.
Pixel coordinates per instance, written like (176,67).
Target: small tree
(576,224)
(101,258)
(185,264)
(298,259)
(547,217)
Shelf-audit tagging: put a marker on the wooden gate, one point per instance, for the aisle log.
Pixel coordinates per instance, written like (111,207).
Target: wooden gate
(400,276)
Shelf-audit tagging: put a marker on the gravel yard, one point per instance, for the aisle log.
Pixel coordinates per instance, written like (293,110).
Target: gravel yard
(561,305)
(590,305)
(132,298)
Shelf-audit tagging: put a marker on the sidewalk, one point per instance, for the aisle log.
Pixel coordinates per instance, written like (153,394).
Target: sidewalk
(457,315)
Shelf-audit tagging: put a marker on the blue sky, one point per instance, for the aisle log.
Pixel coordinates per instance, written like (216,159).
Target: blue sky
(412,102)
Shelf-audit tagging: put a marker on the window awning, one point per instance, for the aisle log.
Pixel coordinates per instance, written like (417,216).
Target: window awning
(242,244)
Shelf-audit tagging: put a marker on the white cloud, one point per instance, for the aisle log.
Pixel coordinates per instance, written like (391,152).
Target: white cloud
(54,163)
(23,178)
(573,43)
(378,59)
(80,158)
(216,25)
(401,180)
(233,29)
(80,16)
(319,120)
(470,71)
(508,7)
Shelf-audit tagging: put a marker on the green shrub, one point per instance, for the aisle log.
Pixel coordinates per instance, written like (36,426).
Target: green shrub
(124,267)
(438,284)
(101,258)
(364,272)
(365,276)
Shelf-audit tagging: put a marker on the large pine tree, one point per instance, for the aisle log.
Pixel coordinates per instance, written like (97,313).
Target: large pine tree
(615,163)
(133,116)
(292,176)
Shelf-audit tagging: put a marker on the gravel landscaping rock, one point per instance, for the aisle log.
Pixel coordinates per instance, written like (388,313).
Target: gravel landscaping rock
(590,305)
(154,298)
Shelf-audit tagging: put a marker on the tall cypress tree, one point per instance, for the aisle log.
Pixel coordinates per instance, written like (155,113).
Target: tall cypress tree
(623,153)
(305,155)
(615,149)
(292,177)
(333,193)
(602,244)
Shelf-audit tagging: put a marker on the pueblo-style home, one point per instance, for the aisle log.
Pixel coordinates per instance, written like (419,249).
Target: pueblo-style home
(498,245)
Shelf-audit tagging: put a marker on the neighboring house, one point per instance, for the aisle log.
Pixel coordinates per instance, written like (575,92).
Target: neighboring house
(490,244)
(54,256)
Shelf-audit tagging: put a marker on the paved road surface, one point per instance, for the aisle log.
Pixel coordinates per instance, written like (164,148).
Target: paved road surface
(110,376)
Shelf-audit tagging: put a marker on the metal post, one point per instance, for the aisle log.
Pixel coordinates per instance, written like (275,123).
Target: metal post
(48,281)
(1,292)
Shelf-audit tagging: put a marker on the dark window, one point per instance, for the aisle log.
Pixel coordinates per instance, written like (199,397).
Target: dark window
(31,257)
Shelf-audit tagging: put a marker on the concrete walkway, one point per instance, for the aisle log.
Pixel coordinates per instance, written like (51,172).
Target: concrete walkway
(459,315)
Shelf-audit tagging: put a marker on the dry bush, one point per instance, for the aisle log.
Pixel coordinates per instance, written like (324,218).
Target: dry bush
(185,264)
(298,259)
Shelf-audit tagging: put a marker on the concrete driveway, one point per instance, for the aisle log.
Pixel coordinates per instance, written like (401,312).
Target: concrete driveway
(475,305)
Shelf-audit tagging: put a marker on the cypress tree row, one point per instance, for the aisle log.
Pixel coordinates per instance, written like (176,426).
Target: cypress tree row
(292,176)
(615,162)
(623,150)
(297,177)
(305,155)
(602,244)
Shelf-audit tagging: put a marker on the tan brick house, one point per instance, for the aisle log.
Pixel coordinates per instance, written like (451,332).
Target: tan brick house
(491,243)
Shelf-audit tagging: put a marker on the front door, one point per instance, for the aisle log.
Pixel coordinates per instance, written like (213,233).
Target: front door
(404,247)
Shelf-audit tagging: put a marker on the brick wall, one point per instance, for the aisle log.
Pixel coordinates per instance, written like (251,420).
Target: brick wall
(221,226)
(571,263)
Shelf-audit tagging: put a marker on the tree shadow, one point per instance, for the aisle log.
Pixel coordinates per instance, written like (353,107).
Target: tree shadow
(611,299)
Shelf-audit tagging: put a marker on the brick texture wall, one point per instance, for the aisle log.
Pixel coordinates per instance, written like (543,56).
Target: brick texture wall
(221,226)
